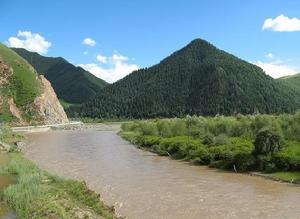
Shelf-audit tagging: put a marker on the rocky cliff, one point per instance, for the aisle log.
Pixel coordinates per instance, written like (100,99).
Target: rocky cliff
(47,107)
(25,97)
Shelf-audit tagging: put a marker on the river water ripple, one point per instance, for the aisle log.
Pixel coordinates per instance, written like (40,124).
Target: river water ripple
(142,185)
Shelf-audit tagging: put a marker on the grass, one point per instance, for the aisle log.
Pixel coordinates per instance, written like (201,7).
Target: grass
(23,86)
(6,117)
(287,176)
(38,194)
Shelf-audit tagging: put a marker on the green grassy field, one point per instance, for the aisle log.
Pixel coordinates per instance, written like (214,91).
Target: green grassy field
(23,86)
(38,194)
(287,176)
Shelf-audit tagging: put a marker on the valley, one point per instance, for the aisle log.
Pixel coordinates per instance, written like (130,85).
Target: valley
(201,134)
(141,184)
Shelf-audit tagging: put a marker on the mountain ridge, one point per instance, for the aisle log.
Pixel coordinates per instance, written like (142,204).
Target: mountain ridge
(197,79)
(72,84)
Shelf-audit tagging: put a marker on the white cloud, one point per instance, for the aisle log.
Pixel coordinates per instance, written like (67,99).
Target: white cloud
(270,55)
(282,24)
(275,67)
(276,70)
(117,67)
(31,41)
(89,42)
(119,58)
(102,59)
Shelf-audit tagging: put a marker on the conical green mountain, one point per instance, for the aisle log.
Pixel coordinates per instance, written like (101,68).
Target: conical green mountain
(198,79)
(72,84)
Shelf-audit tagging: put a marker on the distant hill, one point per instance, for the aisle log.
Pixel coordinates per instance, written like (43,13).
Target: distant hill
(293,81)
(25,97)
(73,85)
(198,79)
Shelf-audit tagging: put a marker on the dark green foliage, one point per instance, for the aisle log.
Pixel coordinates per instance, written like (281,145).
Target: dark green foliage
(71,84)
(196,80)
(266,142)
(208,140)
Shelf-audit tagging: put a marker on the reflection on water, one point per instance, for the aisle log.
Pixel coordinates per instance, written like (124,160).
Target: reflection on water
(143,185)
(5,212)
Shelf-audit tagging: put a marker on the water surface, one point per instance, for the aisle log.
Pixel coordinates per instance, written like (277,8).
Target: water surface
(143,185)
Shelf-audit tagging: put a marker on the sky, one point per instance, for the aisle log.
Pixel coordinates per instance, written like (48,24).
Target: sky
(113,38)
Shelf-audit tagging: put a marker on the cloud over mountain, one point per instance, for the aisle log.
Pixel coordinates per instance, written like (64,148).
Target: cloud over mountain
(33,42)
(110,68)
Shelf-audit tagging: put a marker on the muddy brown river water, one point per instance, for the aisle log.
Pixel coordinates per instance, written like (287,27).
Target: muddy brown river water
(142,185)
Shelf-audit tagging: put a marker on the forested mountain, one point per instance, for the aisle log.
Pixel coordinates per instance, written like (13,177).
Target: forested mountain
(198,79)
(72,84)
(292,81)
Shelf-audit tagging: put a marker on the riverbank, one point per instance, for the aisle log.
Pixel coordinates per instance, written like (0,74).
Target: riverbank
(286,177)
(140,184)
(258,145)
(39,194)
(282,176)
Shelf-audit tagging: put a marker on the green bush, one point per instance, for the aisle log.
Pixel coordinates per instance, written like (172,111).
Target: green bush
(220,139)
(267,142)
(260,142)
(164,128)
(149,141)
(289,157)
(148,128)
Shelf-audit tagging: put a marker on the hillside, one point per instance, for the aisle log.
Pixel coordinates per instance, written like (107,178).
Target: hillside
(72,84)
(292,81)
(25,97)
(198,79)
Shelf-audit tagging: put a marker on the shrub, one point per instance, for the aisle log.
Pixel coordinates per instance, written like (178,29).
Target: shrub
(208,140)
(149,141)
(263,142)
(289,157)
(267,142)
(220,139)
(178,127)
(164,128)
(148,128)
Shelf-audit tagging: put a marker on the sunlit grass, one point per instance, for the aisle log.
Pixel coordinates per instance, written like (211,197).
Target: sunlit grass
(38,194)
(287,176)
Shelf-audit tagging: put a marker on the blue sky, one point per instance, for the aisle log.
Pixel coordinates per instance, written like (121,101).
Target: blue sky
(133,34)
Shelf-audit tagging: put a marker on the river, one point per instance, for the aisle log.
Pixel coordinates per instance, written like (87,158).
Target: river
(141,184)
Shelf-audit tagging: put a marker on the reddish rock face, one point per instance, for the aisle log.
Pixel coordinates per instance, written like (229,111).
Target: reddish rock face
(5,73)
(47,107)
